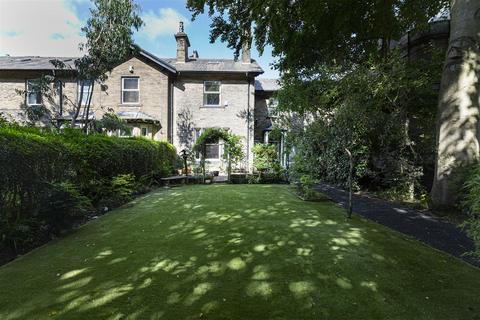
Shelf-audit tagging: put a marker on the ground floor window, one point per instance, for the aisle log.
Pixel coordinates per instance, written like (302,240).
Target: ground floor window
(212,150)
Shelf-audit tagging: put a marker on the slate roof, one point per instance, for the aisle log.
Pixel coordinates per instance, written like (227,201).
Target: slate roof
(197,65)
(267,85)
(215,65)
(32,62)
(136,115)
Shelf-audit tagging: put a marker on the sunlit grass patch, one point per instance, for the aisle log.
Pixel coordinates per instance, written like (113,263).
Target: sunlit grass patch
(236,252)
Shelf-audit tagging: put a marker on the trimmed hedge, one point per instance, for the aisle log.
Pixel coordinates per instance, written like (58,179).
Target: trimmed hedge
(50,181)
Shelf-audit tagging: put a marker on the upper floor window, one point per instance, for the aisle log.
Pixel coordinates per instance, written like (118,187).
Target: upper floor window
(86,86)
(211,93)
(130,90)
(34,94)
(272,106)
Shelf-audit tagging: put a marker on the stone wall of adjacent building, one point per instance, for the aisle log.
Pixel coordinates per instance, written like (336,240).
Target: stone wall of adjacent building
(154,91)
(262,120)
(154,88)
(12,103)
(190,113)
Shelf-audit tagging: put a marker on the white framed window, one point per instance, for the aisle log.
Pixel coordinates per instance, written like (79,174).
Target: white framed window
(34,95)
(212,150)
(130,90)
(272,107)
(87,91)
(211,93)
(122,133)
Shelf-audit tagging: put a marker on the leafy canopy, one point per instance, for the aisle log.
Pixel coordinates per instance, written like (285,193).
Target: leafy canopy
(310,33)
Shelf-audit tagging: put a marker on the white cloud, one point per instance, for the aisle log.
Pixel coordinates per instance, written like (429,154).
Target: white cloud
(39,27)
(164,22)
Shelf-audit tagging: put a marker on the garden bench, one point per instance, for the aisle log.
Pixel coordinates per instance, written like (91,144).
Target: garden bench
(167,180)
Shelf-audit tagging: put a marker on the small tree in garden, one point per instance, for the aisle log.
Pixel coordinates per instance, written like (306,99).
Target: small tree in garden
(109,42)
(266,157)
(232,153)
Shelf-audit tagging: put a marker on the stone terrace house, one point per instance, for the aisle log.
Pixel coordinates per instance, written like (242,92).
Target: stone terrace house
(172,99)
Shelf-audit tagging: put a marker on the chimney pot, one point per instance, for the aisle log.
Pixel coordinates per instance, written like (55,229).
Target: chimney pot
(182,44)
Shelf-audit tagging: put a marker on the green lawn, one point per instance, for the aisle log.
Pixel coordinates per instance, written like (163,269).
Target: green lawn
(236,252)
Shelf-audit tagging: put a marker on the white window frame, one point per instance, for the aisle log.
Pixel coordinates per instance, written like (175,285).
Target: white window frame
(89,93)
(220,145)
(148,131)
(219,92)
(272,107)
(219,151)
(32,91)
(133,90)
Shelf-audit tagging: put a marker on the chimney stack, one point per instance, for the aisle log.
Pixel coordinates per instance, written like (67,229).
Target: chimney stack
(182,44)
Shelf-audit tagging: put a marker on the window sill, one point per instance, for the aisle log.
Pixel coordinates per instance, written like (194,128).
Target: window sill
(135,105)
(213,107)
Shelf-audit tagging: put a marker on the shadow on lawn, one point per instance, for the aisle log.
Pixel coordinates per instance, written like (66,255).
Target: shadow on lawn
(223,260)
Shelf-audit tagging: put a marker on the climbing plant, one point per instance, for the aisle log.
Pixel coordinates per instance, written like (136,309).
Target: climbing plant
(232,151)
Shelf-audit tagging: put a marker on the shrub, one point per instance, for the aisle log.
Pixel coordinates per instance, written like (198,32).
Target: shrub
(117,191)
(62,205)
(305,188)
(265,157)
(471,202)
(49,181)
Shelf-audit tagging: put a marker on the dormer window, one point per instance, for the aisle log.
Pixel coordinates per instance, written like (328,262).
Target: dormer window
(211,93)
(130,90)
(34,95)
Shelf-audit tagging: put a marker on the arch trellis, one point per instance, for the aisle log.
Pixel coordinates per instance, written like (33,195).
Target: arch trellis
(232,151)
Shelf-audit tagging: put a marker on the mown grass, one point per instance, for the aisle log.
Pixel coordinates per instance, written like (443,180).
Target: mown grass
(236,252)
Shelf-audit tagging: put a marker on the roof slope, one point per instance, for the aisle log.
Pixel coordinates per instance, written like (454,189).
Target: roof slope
(267,85)
(215,65)
(33,62)
(170,64)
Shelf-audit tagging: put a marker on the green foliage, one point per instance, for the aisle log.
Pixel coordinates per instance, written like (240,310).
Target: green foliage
(471,203)
(266,162)
(233,147)
(48,180)
(61,205)
(111,122)
(265,157)
(109,42)
(310,33)
(114,192)
(384,112)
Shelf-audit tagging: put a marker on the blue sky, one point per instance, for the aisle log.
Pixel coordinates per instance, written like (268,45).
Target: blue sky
(52,28)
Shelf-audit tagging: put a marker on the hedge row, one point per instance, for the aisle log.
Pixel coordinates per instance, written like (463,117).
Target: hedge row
(50,181)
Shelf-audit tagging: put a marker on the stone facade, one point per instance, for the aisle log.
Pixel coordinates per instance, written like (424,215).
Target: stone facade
(171,95)
(237,96)
(154,94)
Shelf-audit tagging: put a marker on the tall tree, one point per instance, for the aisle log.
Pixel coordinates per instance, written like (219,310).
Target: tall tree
(458,107)
(306,34)
(109,32)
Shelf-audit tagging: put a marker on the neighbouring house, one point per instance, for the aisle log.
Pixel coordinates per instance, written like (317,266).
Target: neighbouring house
(266,117)
(171,99)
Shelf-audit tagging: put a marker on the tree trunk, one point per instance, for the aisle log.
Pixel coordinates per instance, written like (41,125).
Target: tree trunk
(78,106)
(85,125)
(458,107)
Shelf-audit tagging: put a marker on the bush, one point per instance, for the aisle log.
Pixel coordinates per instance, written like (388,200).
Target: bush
(49,181)
(62,205)
(305,188)
(471,203)
(265,157)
